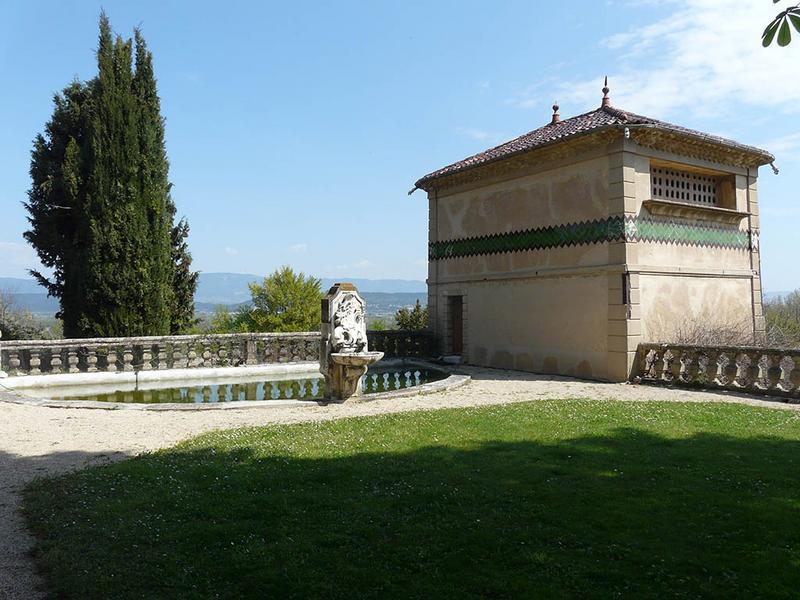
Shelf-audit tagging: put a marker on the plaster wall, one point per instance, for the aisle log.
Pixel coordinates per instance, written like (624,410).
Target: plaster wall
(553,325)
(675,256)
(567,194)
(673,305)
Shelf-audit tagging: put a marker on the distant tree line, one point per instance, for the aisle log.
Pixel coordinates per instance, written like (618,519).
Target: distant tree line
(284,301)
(290,301)
(783,320)
(100,210)
(16,323)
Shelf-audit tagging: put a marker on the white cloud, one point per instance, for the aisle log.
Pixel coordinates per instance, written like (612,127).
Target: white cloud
(704,58)
(787,147)
(231,251)
(298,248)
(475,134)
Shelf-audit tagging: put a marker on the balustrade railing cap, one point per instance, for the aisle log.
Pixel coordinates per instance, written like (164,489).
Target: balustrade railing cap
(718,348)
(82,342)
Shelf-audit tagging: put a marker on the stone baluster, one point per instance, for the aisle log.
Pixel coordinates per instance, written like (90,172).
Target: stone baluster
(111,360)
(127,359)
(250,352)
(178,357)
(236,356)
(206,356)
(686,374)
(703,362)
(192,359)
(649,361)
(222,352)
(723,365)
(668,360)
(283,353)
(147,358)
(774,371)
(14,362)
(91,360)
(762,379)
(56,364)
(742,379)
(35,362)
(787,365)
(161,357)
(72,360)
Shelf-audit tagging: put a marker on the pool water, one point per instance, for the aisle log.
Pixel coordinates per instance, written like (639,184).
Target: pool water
(266,389)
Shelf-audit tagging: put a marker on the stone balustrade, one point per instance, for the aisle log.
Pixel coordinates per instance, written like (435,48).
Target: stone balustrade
(767,371)
(44,357)
(41,357)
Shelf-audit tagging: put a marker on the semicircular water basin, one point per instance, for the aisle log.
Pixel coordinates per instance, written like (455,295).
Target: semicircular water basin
(242,389)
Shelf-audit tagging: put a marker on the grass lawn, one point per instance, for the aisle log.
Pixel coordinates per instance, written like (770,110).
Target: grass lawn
(545,499)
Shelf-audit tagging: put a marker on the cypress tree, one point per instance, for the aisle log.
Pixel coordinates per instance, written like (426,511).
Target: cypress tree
(184,281)
(57,199)
(121,266)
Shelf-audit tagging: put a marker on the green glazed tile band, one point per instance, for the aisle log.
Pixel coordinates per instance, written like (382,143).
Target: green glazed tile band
(611,229)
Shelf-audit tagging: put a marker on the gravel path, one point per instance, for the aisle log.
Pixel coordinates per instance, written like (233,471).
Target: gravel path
(37,441)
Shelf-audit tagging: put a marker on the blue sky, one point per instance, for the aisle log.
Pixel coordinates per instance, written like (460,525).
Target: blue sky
(295,129)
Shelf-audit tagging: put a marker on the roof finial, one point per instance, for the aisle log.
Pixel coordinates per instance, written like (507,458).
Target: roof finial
(556,116)
(606,99)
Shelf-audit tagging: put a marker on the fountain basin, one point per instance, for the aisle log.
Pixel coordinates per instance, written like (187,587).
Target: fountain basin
(355,359)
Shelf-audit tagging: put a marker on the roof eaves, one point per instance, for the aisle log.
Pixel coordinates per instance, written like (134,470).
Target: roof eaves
(764,155)
(420,184)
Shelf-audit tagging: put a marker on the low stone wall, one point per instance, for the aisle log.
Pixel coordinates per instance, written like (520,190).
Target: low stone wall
(746,369)
(43,357)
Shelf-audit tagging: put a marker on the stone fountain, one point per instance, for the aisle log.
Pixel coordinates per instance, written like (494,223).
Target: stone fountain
(344,356)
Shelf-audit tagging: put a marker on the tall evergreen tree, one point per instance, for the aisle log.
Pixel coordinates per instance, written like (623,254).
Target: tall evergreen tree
(100,208)
(57,198)
(184,281)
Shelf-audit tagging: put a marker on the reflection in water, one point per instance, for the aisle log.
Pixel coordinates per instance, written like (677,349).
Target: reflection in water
(312,388)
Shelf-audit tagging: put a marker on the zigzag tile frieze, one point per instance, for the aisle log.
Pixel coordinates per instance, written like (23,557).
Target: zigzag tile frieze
(611,229)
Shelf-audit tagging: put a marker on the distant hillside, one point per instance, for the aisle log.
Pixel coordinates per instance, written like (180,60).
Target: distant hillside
(383,296)
(231,288)
(16,285)
(379,304)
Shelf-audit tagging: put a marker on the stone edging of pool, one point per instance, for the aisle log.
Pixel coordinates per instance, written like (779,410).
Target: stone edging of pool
(8,392)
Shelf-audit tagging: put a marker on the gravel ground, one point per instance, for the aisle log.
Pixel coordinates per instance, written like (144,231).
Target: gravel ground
(37,441)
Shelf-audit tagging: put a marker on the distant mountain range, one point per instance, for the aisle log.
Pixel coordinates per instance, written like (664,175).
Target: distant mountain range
(383,296)
(231,288)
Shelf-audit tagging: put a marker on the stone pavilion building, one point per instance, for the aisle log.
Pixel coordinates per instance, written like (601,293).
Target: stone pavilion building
(563,249)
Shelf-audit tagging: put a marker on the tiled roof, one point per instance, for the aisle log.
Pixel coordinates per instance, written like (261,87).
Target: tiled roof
(603,117)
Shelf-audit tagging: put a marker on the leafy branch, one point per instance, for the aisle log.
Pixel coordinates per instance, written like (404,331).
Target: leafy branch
(780,25)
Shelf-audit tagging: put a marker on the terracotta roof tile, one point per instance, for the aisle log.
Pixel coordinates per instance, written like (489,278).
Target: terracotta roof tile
(605,116)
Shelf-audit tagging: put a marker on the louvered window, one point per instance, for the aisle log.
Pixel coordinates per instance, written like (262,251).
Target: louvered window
(683,186)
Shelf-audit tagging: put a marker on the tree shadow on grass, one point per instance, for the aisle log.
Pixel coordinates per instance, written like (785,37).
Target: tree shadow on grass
(628,513)
(17,578)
